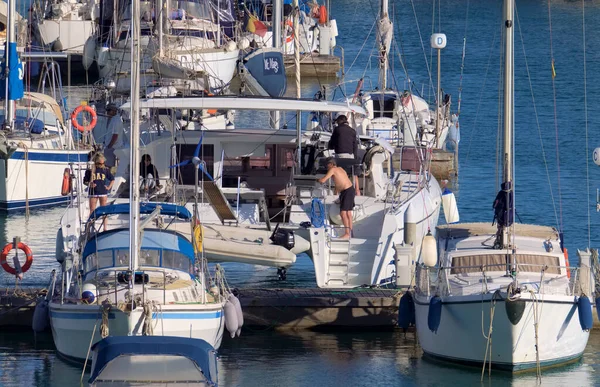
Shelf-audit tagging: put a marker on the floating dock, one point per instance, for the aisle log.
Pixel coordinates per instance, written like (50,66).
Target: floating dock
(360,308)
(17,306)
(314,65)
(265,308)
(444,164)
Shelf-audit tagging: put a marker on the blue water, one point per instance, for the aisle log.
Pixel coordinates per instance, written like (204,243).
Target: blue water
(388,358)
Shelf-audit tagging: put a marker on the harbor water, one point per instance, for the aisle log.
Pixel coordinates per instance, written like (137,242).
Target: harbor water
(547,192)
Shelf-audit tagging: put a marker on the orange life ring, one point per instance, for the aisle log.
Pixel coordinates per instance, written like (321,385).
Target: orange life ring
(66,183)
(80,127)
(289,38)
(567,263)
(21,246)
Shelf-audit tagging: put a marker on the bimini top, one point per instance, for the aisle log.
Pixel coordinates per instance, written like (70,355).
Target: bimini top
(145,208)
(196,350)
(248,103)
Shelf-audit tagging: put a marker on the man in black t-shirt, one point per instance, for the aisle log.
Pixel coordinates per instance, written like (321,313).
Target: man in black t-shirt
(345,143)
(343,139)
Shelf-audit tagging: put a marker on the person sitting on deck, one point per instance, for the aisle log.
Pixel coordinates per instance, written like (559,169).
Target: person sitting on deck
(149,174)
(344,187)
(100,181)
(344,143)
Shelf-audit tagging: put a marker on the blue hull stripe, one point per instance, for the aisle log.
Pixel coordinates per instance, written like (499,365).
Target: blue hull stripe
(186,316)
(71,157)
(20,204)
(163,315)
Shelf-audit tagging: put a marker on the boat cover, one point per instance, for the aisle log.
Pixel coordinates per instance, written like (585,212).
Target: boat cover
(196,350)
(145,208)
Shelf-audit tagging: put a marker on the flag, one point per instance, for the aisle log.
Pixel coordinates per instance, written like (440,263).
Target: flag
(255,26)
(553,70)
(15,73)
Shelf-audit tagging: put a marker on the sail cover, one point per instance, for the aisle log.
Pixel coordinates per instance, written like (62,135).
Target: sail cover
(385,32)
(14,75)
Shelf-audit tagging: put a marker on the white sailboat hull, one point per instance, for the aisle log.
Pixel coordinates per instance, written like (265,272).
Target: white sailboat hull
(73,325)
(217,64)
(33,177)
(460,336)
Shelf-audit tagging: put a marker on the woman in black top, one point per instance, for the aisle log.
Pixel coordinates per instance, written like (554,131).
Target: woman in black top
(147,168)
(100,181)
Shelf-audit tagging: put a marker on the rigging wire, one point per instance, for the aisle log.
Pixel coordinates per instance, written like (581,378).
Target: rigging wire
(537,120)
(462,64)
(585,110)
(487,70)
(422,45)
(555,118)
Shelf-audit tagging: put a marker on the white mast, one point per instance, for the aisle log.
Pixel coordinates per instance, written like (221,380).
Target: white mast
(296,15)
(9,106)
(276,22)
(134,194)
(509,117)
(383,48)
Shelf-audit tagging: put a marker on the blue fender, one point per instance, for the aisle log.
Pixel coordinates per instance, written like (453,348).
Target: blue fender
(435,314)
(585,313)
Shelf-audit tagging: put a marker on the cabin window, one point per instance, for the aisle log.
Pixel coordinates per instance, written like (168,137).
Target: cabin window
(176,260)
(150,257)
(497,262)
(122,257)
(383,106)
(99,260)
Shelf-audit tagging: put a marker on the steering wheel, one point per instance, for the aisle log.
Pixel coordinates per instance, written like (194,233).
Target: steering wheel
(274,232)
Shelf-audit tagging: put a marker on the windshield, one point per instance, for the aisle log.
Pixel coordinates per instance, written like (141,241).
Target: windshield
(196,9)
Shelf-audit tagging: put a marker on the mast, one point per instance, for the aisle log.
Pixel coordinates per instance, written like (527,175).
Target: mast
(134,194)
(508,118)
(276,23)
(160,6)
(383,48)
(296,15)
(9,105)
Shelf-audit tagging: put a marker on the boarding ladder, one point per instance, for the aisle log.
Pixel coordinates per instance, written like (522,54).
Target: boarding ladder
(339,261)
(219,202)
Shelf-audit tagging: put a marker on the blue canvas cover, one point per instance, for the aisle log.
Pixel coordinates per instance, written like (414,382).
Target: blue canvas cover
(15,74)
(197,350)
(145,208)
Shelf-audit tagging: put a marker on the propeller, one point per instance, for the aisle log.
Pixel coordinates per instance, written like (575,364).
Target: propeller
(195,160)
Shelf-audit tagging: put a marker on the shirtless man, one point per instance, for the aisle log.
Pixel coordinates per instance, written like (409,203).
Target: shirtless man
(344,187)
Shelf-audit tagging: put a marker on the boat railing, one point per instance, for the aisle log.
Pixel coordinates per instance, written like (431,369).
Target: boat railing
(431,281)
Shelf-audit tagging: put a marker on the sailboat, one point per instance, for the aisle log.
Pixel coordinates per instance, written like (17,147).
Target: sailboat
(37,145)
(183,45)
(141,278)
(401,117)
(513,280)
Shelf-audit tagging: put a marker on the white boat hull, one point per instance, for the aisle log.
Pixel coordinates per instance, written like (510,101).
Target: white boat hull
(34,178)
(71,33)
(72,325)
(218,65)
(460,336)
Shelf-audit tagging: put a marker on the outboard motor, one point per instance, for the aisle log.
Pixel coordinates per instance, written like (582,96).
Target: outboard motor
(283,237)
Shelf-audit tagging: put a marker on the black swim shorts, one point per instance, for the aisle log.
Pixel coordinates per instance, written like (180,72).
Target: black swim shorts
(347,199)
